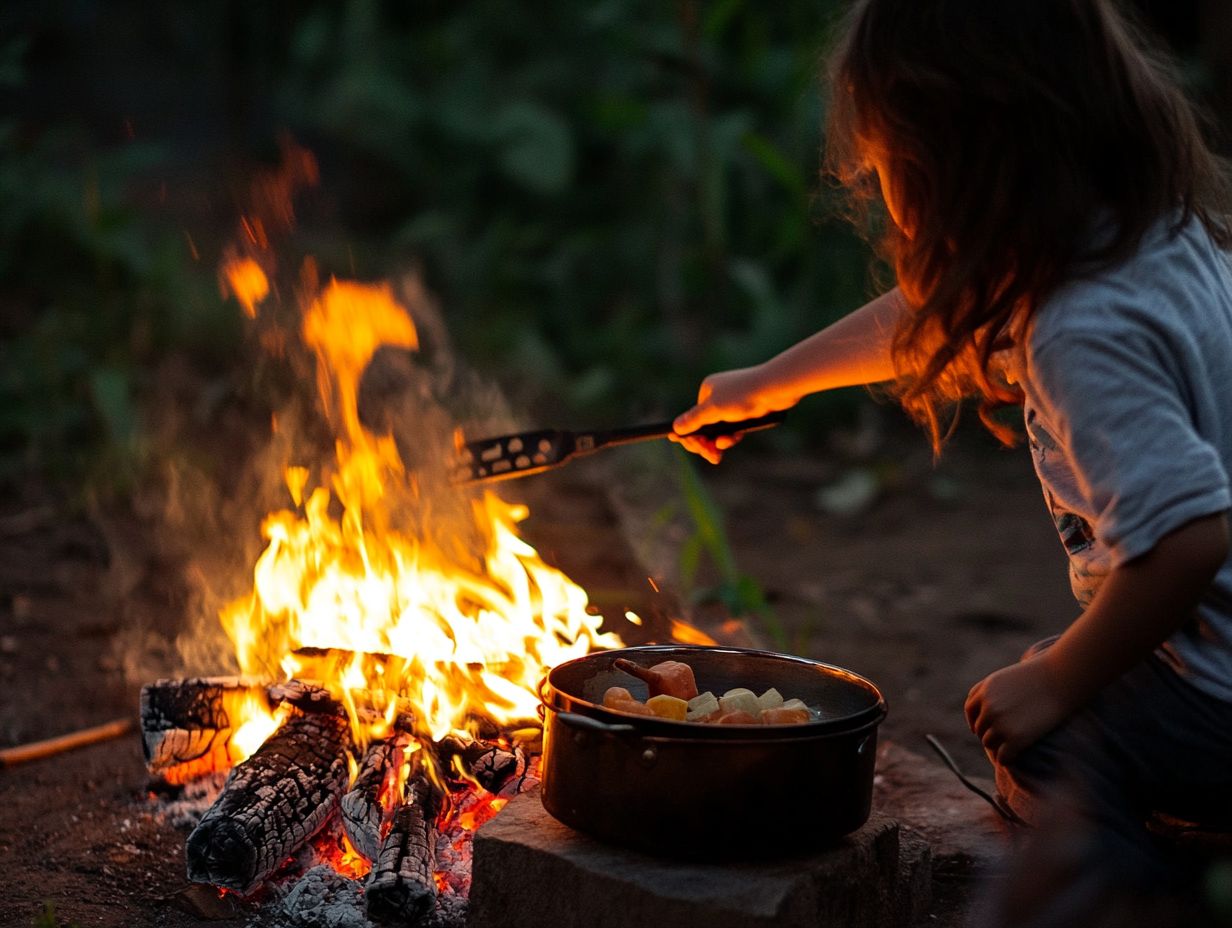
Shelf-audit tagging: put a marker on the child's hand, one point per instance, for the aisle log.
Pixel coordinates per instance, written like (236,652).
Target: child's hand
(1013,708)
(729,396)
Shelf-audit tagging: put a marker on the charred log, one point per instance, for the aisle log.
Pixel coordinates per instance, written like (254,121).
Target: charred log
(364,805)
(401,887)
(307,697)
(186,725)
(488,763)
(272,803)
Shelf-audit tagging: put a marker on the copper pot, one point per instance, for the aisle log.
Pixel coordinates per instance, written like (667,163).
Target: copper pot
(710,791)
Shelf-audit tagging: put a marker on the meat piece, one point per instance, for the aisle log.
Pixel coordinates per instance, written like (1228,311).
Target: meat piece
(739,717)
(670,678)
(620,699)
(784,716)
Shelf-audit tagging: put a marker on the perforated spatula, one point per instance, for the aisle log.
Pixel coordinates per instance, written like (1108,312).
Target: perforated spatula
(523,453)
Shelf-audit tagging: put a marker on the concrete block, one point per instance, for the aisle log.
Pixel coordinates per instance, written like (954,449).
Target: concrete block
(965,835)
(530,871)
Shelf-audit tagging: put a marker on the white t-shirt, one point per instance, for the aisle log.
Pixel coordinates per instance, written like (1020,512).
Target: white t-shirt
(1128,384)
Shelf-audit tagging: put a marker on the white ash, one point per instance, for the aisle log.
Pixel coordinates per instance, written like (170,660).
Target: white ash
(186,809)
(324,898)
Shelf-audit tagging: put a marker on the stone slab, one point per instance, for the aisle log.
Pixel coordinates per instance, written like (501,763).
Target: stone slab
(965,835)
(530,871)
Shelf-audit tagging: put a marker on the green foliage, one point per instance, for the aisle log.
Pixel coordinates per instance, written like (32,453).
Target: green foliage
(739,593)
(97,297)
(617,185)
(611,199)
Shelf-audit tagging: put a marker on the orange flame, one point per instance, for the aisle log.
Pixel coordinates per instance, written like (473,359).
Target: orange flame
(457,621)
(245,280)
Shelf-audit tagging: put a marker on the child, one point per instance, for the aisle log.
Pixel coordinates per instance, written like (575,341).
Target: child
(1057,226)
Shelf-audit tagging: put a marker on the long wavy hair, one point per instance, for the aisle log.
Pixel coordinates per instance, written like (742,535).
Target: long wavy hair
(1006,130)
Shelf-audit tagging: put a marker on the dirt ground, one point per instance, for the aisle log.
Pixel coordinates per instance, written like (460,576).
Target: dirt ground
(945,575)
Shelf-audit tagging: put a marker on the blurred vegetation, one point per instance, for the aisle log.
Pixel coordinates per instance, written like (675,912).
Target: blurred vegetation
(611,198)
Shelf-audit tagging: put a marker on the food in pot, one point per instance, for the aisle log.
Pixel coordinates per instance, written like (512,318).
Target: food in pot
(621,700)
(670,678)
(739,700)
(668,707)
(702,708)
(668,681)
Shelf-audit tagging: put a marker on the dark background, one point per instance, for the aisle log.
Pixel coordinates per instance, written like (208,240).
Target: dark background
(610,199)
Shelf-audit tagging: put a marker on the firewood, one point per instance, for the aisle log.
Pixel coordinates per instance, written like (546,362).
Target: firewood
(308,696)
(272,803)
(186,725)
(401,887)
(490,764)
(364,805)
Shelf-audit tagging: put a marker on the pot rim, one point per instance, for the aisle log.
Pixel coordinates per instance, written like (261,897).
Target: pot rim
(870,716)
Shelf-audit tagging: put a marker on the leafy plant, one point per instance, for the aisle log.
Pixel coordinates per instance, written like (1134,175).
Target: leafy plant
(739,593)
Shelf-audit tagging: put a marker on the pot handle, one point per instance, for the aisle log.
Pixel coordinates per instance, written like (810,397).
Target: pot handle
(586,723)
(542,708)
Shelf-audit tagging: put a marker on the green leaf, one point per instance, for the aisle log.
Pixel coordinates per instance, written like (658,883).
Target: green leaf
(537,147)
(690,560)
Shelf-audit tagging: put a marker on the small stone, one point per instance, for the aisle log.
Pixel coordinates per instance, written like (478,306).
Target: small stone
(8,644)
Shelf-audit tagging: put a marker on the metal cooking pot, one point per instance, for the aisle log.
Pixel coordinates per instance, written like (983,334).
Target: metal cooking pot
(710,791)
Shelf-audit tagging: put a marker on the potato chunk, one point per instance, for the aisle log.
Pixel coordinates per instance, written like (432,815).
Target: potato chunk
(770,699)
(739,700)
(702,707)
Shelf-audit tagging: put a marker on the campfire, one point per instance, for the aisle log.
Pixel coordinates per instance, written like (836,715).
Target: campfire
(389,650)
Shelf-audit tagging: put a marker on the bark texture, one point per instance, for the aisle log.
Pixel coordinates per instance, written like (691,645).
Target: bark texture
(401,888)
(365,803)
(272,803)
(186,725)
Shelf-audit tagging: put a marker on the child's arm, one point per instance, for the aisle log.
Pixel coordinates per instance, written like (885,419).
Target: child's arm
(853,351)
(1139,605)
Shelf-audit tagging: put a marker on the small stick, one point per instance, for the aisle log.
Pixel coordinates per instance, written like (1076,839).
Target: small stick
(37,750)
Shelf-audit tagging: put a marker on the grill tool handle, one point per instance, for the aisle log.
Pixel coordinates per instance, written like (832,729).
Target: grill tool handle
(587,442)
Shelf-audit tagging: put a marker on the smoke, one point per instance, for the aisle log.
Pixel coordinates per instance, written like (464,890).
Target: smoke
(223,451)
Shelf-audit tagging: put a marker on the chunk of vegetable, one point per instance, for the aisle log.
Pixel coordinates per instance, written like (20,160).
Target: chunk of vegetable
(784,716)
(739,700)
(770,699)
(668,707)
(702,707)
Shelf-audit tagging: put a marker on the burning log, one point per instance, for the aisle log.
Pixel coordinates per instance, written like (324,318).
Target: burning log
(307,697)
(489,764)
(401,887)
(187,725)
(363,811)
(272,803)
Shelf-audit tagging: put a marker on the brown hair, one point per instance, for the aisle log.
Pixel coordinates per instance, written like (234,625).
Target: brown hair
(1007,129)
